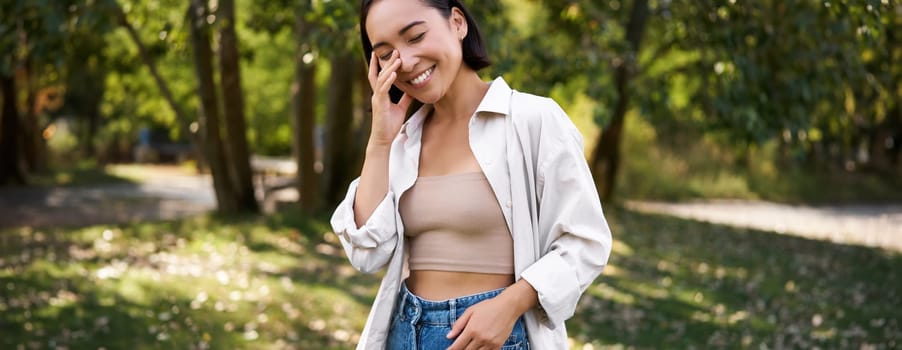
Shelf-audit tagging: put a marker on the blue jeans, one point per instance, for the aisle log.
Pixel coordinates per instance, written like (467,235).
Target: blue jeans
(420,324)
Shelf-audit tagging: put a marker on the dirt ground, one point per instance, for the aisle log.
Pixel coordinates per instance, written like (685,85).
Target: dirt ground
(161,193)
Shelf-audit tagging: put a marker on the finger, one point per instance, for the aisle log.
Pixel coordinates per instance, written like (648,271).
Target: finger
(389,80)
(459,325)
(374,70)
(386,74)
(405,101)
(459,344)
(392,64)
(475,346)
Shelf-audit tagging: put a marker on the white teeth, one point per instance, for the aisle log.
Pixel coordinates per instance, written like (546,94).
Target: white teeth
(422,77)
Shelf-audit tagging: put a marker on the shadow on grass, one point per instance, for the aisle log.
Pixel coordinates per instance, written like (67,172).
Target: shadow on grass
(204,282)
(251,282)
(674,283)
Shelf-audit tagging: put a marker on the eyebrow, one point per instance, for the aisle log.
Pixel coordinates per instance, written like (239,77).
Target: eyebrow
(400,32)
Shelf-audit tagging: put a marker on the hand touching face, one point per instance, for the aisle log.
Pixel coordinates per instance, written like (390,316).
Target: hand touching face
(427,43)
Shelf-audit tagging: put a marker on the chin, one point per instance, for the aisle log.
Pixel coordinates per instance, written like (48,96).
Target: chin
(423,98)
(428,99)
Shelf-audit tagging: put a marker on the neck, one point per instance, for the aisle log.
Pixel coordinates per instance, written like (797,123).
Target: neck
(462,97)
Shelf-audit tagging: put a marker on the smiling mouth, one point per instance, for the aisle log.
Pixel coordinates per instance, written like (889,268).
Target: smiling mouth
(422,77)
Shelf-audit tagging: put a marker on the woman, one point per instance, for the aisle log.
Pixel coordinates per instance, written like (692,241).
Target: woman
(482,199)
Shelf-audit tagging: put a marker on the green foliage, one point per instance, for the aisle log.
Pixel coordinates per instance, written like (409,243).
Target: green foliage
(267,78)
(700,166)
(748,72)
(817,80)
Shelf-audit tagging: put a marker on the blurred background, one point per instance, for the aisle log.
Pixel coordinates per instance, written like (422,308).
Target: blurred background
(167,168)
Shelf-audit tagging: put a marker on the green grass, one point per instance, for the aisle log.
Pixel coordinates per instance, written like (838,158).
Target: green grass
(283,282)
(675,283)
(206,282)
(84,173)
(700,168)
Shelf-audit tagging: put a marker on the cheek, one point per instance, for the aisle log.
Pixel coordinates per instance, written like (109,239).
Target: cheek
(446,47)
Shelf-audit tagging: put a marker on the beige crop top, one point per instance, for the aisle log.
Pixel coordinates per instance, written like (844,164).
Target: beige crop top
(454,223)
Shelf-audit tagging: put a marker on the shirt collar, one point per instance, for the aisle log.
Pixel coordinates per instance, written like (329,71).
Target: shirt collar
(497,99)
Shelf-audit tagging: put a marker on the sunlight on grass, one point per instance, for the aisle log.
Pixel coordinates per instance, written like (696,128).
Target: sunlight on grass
(608,293)
(702,168)
(695,285)
(199,283)
(620,248)
(283,282)
(85,173)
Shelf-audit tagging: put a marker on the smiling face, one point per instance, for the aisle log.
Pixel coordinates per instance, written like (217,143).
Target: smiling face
(429,45)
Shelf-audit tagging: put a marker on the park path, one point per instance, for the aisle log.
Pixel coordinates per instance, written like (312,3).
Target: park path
(168,193)
(162,193)
(861,224)
(159,192)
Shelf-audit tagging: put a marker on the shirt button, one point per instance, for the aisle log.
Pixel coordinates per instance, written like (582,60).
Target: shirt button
(508,204)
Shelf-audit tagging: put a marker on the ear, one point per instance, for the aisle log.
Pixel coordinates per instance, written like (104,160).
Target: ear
(458,23)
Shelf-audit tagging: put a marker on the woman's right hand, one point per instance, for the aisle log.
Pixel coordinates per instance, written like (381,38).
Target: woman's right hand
(387,116)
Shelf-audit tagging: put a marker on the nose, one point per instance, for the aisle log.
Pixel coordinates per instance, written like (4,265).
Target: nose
(409,60)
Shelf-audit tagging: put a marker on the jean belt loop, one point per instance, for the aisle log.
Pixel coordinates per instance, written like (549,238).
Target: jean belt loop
(417,309)
(452,305)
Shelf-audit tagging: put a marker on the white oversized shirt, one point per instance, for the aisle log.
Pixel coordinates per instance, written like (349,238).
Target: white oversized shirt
(532,155)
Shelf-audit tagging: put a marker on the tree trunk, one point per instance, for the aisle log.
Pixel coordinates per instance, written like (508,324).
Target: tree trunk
(94,83)
(32,139)
(783,147)
(363,114)
(606,156)
(88,74)
(894,117)
(10,128)
(31,133)
(210,129)
(92,110)
(303,103)
(161,84)
(233,103)
(339,156)
(895,152)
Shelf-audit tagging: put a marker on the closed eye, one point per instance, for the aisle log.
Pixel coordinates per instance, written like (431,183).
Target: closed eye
(417,38)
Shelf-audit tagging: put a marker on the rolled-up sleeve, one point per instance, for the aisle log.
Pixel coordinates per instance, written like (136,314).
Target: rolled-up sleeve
(369,247)
(574,235)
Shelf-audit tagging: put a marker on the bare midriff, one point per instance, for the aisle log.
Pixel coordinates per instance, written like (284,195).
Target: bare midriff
(443,285)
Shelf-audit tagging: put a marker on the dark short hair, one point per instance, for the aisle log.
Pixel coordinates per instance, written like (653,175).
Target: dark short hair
(474,52)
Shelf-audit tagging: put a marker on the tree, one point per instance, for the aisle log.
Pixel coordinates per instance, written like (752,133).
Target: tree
(233,103)
(10,164)
(605,160)
(209,116)
(148,60)
(32,34)
(229,162)
(339,162)
(594,34)
(303,98)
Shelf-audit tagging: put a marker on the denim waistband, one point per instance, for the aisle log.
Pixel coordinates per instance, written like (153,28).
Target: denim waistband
(447,312)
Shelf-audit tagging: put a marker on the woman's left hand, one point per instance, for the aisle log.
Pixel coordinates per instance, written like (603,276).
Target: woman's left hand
(488,324)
